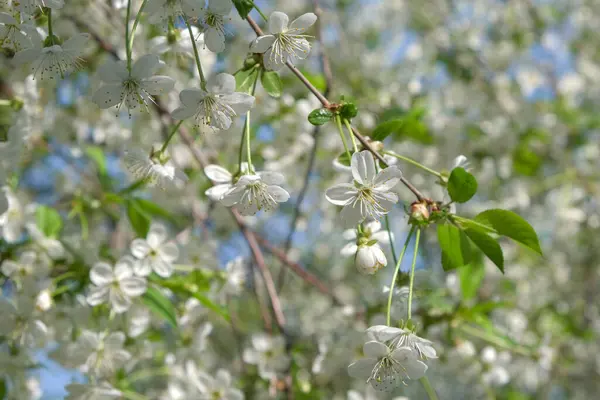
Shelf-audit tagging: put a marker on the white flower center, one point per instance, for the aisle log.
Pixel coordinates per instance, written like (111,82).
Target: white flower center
(213,111)
(257,192)
(288,44)
(368,199)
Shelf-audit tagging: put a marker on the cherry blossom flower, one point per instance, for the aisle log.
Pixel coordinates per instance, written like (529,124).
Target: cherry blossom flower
(371,230)
(53,61)
(155,169)
(26,266)
(284,43)
(371,194)
(133,88)
(217,388)
(255,192)
(13,219)
(19,320)
(268,353)
(155,252)
(162,10)
(213,20)
(29,6)
(385,368)
(103,353)
(12,35)
(216,106)
(398,337)
(92,391)
(116,285)
(369,258)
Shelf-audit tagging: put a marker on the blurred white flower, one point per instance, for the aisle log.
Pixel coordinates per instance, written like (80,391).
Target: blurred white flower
(92,391)
(19,321)
(217,388)
(162,10)
(155,252)
(104,353)
(12,36)
(29,6)
(54,61)
(236,276)
(371,194)
(13,219)
(155,169)
(216,106)
(284,43)
(268,353)
(115,285)
(133,88)
(397,337)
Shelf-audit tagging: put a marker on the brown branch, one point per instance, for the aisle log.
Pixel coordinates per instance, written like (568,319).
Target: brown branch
(326,103)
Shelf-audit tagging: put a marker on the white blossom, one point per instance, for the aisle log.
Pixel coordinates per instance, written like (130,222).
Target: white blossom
(12,35)
(155,252)
(371,230)
(19,321)
(398,337)
(216,106)
(284,43)
(133,88)
(27,265)
(155,169)
(236,276)
(115,285)
(53,61)
(268,353)
(213,20)
(255,192)
(217,387)
(13,219)
(369,259)
(92,391)
(103,353)
(371,193)
(162,10)
(29,6)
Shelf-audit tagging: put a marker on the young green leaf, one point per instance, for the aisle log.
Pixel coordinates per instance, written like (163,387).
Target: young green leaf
(471,276)
(97,155)
(160,305)
(140,221)
(48,220)
(462,186)
(348,111)
(271,82)
(243,7)
(509,224)
(385,129)
(488,245)
(320,116)
(455,252)
(245,79)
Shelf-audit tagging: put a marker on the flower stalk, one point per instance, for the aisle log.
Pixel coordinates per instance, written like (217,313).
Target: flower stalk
(396,272)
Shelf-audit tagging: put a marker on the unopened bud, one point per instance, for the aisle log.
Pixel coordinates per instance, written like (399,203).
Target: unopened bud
(419,212)
(369,259)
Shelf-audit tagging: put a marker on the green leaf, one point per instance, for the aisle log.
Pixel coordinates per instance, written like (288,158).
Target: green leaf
(208,303)
(454,245)
(509,224)
(243,7)
(150,208)
(344,159)
(2,388)
(488,245)
(471,276)
(320,116)
(140,221)
(462,186)
(385,129)
(245,79)
(271,81)
(160,305)
(317,80)
(48,220)
(348,111)
(97,155)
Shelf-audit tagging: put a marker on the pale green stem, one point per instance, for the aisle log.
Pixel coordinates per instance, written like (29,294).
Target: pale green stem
(135,24)
(196,54)
(396,271)
(127,38)
(413,162)
(338,122)
(259,11)
(412,273)
(248,149)
(470,330)
(428,388)
(49,15)
(246,133)
(349,127)
(173,132)
(467,221)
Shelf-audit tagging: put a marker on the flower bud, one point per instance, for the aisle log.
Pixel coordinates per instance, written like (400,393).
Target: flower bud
(369,259)
(419,212)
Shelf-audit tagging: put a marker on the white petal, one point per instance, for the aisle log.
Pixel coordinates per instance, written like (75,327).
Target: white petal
(413,368)
(192,97)
(145,66)
(362,369)
(162,268)
(278,22)
(157,234)
(139,248)
(221,84)
(217,192)
(262,43)
(182,113)
(102,274)
(158,84)
(349,250)
(76,43)
(303,22)
(241,103)
(363,167)
(375,349)
(119,301)
(7,19)
(113,72)
(351,215)
(114,341)
(387,179)
(383,333)
(272,62)
(9,267)
(124,268)
(108,95)
(26,56)
(279,194)
(271,177)
(169,252)
(214,40)
(222,7)
(340,194)
(143,268)
(217,174)
(133,286)
(98,295)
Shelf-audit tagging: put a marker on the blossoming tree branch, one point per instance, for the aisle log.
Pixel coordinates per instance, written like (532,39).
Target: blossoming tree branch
(204,200)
